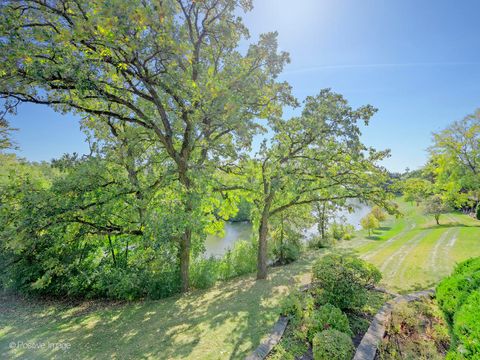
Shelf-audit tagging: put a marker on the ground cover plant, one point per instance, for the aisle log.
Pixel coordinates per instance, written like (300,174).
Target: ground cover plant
(327,322)
(416,330)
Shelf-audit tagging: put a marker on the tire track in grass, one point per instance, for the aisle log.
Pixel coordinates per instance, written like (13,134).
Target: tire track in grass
(370,254)
(453,240)
(442,243)
(400,255)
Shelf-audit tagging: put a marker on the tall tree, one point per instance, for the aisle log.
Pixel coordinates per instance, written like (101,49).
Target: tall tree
(170,68)
(315,157)
(455,161)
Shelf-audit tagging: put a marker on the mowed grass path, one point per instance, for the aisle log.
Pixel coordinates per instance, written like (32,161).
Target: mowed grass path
(415,253)
(229,320)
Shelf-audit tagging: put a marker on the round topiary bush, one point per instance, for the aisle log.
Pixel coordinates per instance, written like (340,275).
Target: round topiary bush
(467,327)
(327,317)
(343,280)
(332,345)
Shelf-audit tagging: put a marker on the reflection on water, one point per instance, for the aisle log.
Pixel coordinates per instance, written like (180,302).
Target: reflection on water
(218,245)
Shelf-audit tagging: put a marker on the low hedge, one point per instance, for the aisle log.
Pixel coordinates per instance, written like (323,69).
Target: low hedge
(332,345)
(466,327)
(452,292)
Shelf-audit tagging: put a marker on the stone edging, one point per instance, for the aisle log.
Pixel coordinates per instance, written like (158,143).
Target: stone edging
(264,348)
(374,335)
(370,341)
(261,352)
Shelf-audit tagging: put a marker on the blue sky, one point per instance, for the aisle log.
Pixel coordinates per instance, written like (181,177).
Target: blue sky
(418,62)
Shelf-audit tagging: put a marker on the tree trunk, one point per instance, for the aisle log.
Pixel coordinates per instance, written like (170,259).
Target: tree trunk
(262,242)
(186,239)
(185,244)
(112,251)
(437,219)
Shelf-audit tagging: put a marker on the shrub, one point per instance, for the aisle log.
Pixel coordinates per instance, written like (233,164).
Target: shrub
(332,345)
(341,231)
(287,252)
(478,211)
(454,290)
(204,273)
(292,305)
(317,242)
(343,280)
(325,318)
(467,326)
(244,257)
(468,266)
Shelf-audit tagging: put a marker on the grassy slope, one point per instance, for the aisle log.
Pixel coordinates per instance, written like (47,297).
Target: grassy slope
(224,322)
(415,253)
(230,319)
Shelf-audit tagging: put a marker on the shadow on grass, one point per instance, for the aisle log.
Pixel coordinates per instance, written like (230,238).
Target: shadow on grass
(451,225)
(226,321)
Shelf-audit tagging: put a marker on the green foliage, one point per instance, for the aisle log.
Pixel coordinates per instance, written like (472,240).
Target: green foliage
(478,212)
(341,231)
(292,305)
(325,318)
(238,261)
(204,273)
(287,252)
(466,326)
(455,161)
(342,280)
(417,189)
(332,345)
(243,258)
(244,211)
(369,222)
(452,291)
(378,213)
(436,206)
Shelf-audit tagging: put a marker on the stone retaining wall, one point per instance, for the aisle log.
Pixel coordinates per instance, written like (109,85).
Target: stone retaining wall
(375,333)
(370,341)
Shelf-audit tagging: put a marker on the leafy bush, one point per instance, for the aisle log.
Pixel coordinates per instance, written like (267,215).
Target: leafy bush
(340,231)
(343,280)
(292,305)
(244,257)
(286,252)
(478,211)
(325,318)
(317,242)
(467,327)
(454,290)
(332,345)
(203,273)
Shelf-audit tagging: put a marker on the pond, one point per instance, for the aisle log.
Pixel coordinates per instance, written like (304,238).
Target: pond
(218,245)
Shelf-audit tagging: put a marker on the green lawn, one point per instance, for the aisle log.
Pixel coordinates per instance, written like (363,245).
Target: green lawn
(415,253)
(229,320)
